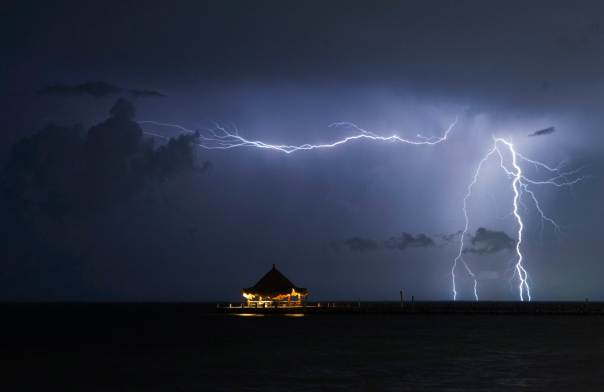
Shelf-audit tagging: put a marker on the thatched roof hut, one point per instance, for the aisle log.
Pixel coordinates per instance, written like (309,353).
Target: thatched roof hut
(274,286)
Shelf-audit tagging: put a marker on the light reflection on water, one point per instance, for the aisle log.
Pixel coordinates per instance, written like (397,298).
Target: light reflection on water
(262,315)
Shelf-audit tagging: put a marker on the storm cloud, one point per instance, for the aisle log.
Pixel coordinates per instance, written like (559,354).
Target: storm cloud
(486,241)
(61,171)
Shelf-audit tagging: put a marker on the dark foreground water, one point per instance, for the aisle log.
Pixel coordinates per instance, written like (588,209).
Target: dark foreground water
(187,348)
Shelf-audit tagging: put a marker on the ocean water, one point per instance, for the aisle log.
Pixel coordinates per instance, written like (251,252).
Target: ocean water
(183,349)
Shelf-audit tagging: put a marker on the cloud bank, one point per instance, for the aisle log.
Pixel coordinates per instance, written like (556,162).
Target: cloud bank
(401,242)
(96,89)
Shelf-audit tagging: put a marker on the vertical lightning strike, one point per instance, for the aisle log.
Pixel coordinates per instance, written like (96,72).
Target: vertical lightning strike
(517,174)
(517,187)
(459,256)
(520,186)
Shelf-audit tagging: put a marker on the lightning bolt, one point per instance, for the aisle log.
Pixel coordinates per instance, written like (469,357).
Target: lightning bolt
(459,257)
(520,185)
(221,138)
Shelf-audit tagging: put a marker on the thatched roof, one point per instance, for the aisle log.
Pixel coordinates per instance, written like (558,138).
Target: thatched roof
(274,283)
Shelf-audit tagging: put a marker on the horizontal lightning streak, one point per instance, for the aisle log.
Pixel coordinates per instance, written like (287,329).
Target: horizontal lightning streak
(219,138)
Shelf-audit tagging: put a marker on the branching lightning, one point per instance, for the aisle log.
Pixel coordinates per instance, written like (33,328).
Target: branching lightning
(222,138)
(520,187)
(459,257)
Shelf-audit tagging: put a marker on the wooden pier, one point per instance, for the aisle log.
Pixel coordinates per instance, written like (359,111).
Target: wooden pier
(427,307)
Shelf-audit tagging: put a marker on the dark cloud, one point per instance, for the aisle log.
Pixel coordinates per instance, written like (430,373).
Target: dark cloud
(71,198)
(96,89)
(449,237)
(402,242)
(406,240)
(542,132)
(145,93)
(41,175)
(489,241)
(63,171)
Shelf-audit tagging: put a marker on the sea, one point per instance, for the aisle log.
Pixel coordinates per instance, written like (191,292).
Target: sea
(190,347)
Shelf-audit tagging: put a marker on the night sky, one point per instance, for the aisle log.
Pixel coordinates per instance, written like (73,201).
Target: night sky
(94,210)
